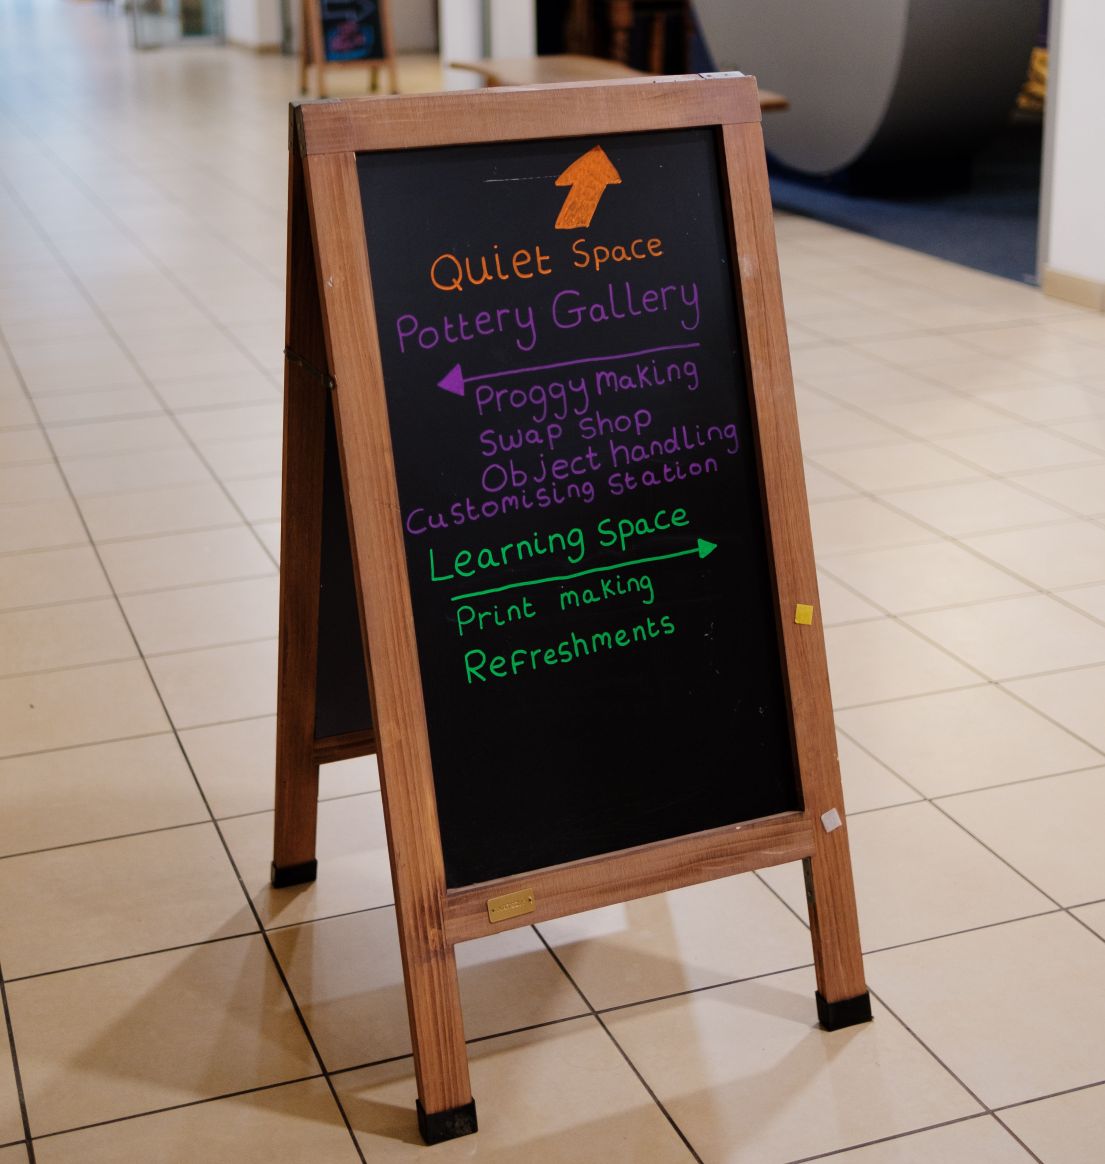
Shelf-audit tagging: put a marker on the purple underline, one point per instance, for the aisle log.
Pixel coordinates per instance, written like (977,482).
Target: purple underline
(583,360)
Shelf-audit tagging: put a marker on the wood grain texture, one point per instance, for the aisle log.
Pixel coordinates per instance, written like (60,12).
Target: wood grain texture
(410,810)
(329,749)
(300,544)
(633,873)
(537,111)
(833,919)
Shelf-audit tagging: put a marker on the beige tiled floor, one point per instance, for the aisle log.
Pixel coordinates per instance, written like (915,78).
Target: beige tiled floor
(164,1003)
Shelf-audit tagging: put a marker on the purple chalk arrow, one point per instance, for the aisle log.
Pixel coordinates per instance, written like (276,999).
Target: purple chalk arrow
(453,381)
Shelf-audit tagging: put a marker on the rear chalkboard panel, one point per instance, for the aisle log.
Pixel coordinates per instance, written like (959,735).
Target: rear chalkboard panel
(579,488)
(351,30)
(342,703)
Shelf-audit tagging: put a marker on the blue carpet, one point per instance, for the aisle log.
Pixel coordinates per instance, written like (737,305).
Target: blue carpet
(991,226)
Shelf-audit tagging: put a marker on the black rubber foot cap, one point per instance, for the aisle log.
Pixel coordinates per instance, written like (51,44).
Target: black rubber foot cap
(449,1124)
(845,1013)
(294,874)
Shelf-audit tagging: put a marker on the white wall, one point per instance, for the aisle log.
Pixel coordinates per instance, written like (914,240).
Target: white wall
(1073,233)
(253,23)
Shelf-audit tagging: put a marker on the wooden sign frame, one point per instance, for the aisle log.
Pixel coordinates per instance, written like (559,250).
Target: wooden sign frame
(334,363)
(312,51)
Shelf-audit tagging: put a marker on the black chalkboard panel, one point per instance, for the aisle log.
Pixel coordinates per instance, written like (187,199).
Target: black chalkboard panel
(351,30)
(574,456)
(342,704)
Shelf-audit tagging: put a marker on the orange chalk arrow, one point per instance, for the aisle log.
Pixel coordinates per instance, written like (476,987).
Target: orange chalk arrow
(588,176)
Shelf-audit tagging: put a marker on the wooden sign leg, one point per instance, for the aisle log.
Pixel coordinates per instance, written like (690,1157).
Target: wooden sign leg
(305,405)
(842,996)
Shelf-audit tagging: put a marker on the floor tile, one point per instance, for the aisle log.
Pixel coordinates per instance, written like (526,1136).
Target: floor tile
(47,576)
(202,616)
(897,906)
(123,472)
(353,868)
(104,790)
(38,482)
(1015,636)
(245,420)
(859,523)
(66,635)
(174,509)
(822,486)
(209,391)
(874,661)
(1091,599)
(257,497)
(988,1006)
(1093,916)
(1073,699)
(749,1077)
(1016,450)
(235,764)
(1066,1129)
(905,465)
(1089,430)
(297,1121)
(699,936)
(1046,829)
(40,525)
(170,561)
(1081,489)
(933,574)
(124,435)
(973,1141)
(98,404)
(269,534)
(913,351)
(1052,401)
(14,1154)
(15,409)
(249,457)
(1051,556)
(868,784)
(941,416)
(114,1040)
(217,684)
(23,446)
(843,429)
(347,976)
(863,383)
(955,741)
(976,507)
(600,1112)
(58,709)
(839,604)
(127,896)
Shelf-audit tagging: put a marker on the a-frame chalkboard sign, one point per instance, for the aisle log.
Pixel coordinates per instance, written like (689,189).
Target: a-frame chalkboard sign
(545,542)
(344,33)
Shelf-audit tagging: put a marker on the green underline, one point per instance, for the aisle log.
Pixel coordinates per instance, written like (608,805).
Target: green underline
(577,574)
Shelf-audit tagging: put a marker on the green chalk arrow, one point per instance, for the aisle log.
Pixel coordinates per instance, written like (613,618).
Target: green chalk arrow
(703,549)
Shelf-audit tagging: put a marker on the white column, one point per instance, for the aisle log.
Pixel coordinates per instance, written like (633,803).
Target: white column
(461,36)
(513,28)
(1072,232)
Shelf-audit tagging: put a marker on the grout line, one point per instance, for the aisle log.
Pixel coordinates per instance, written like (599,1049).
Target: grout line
(20,1093)
(621,1050)
(908,1135)
(180,1106)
